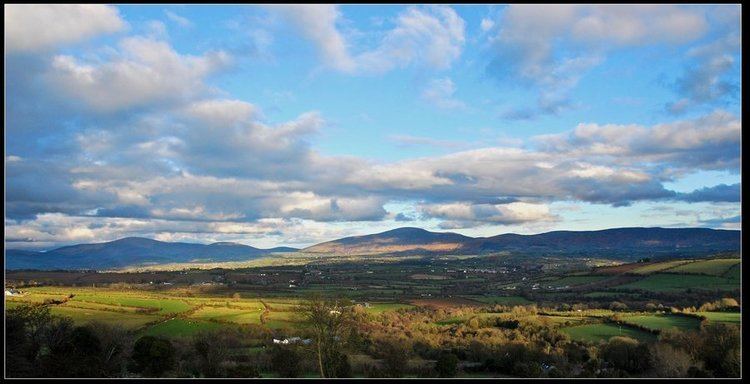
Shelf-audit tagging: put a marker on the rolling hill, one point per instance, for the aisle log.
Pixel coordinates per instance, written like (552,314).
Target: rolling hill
(396,241)
(132,251)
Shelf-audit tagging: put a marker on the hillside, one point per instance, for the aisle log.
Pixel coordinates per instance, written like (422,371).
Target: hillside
(132,251)
(400,240)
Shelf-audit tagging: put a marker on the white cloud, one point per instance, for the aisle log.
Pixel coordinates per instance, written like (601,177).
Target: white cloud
(463,214)
(35,27)
(143,72)
(431,36)
(221,113)
(318,23)
(708,142)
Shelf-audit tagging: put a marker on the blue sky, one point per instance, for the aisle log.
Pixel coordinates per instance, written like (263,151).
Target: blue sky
(290,125)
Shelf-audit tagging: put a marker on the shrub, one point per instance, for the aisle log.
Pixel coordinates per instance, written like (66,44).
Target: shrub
(447,364)
(721,349)
(668,361)
(285,361)
(626,354)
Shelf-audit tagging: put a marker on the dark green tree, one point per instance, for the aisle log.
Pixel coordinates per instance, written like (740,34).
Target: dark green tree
(212,350)
(72,352)
(626,354)
(152,356)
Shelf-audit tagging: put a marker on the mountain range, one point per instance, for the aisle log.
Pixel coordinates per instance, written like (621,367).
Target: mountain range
(133,251)
(618,243)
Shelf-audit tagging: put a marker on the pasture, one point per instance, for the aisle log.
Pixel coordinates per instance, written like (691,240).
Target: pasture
(83,316)
(722,317)
(715,267)
(658,267)
(228,315)
(594,333)
(659,322)
(663,282)
(180,328)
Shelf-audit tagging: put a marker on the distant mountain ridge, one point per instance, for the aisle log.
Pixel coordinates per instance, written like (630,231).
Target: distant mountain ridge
(132,251)
(618,243)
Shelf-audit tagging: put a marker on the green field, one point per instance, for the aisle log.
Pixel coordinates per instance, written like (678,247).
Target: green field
(180,328)
(671,282)
(594,333)
(164,305)
(722,317)
(83,316)
(659,322)
(716,267)
(229,315)
(657,267)
(104,307)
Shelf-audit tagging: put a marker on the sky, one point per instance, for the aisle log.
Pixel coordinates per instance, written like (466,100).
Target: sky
(290,125)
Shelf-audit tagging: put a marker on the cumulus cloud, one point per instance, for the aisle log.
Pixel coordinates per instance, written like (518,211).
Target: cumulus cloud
(218,160)
(710,142)
(36,27)
(491,173)
(464,214)
(433,36)
(318,23)
(429,36)
(143,71)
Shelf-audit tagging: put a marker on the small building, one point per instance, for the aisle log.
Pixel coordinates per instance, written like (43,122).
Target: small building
(292,340)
